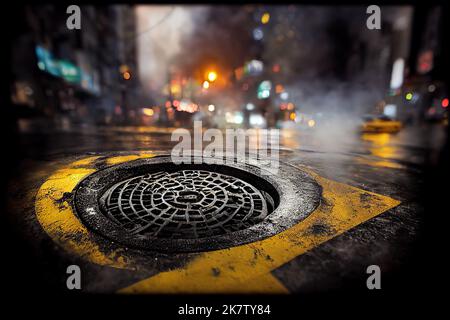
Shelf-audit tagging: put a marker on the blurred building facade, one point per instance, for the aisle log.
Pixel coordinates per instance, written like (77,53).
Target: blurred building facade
(75,74)
(425,94)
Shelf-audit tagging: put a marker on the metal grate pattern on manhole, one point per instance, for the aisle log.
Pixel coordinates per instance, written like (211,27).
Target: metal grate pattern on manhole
(158,205)
(186,204)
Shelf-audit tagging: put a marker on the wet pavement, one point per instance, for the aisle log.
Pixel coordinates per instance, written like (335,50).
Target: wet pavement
(390,165)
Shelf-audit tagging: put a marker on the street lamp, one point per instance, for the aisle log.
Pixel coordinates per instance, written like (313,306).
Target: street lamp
(126,75)
(212,76)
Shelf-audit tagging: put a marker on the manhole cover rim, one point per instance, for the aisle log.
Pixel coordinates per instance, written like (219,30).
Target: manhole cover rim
(298,192)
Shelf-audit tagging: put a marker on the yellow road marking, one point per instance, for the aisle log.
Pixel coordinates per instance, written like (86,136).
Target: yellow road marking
(120,159)
(59,221)
(246,269)
(242,269)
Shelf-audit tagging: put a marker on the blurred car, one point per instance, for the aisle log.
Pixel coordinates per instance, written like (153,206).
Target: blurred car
(373,124)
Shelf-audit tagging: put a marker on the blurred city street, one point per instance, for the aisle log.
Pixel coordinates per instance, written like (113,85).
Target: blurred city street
(91,120)
(383,163)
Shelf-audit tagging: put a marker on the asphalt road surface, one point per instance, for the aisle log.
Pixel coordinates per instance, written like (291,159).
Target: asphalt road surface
(386,165)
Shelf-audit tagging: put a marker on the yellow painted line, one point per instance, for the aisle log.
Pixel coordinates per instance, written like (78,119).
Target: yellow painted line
(59,221)
(247,268)
(120,159)
(243,269)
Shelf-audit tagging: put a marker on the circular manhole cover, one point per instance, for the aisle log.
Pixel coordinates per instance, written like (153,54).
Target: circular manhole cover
(185,204)
(155,204)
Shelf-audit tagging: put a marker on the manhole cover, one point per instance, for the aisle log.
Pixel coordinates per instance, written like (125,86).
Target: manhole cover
(155,204)
(185,204)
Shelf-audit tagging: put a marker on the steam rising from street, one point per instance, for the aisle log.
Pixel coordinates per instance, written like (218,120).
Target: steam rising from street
(160,30)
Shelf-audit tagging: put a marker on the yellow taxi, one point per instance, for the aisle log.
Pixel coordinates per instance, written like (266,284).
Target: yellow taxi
(373,124)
